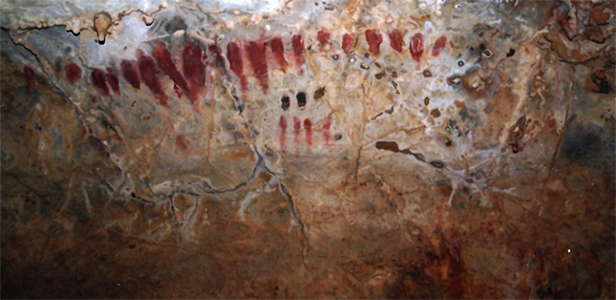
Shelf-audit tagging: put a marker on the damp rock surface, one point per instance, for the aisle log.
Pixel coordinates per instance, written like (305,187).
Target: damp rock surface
(235,149)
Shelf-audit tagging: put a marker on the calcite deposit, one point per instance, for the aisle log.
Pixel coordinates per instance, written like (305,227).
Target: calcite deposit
(308,149)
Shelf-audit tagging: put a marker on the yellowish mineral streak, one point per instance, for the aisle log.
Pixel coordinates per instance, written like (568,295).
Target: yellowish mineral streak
(102,22)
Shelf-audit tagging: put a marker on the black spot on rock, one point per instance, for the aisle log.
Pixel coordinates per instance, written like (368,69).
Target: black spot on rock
(175,24)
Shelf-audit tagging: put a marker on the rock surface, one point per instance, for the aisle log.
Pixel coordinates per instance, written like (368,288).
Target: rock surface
(356,149)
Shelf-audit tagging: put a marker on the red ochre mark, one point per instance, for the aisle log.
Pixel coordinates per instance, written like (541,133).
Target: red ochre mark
(283,133)
(256,56)
(327,135)
(278,50)
(182,144)
(395,40)
(374,39)
(439,45)
(297,126)
(163,58)
(73,72)
(147,68)
(216,59)
(308,131)
(130,72)
(348,43)
(298,50)
(193,66)
(30,77)
(112,81)
(323,37)
(417,46)
(99,81)
(234,55)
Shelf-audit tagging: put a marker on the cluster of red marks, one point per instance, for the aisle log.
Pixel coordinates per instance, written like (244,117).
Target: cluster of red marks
(163,59)
(323,36)
(327,135)
(148,72)
(348,43)
(73,72)
(374,39)
(99,79)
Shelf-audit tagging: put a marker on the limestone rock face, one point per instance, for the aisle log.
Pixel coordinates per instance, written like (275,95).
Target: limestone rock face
(356,149)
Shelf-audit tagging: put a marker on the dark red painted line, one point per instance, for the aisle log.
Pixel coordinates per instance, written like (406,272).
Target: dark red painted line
(278,50)
(298,50)
(112,81)
(73,72)
(258,61)
(348,43)
(236,63)
(282,123)
(327,135)
(323,36)
(163,59)
(147,68)
(99,80)
(440,43)
(395,40)
(374,39)
(193,66)
(130,73)
(30,77)
(308,131)
(417,46)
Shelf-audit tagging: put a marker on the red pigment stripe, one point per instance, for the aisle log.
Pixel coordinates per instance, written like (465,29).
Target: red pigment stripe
(327,124)
(234,56)
(348,43)
(163,58)
(256,56)
(395,40)
(323,36)
(147,68)
(374,39)
(112,81)
(130,73)
(298,49)
(308,130)
(193,66)
(282,123)
(98,79)
(278,49)
(73,72)
(417,46)
(440,43)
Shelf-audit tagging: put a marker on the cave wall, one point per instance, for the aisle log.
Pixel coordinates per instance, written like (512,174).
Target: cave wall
(411,149)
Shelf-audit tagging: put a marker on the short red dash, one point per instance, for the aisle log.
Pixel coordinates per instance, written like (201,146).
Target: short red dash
(298,50)
(395,40)
(193,66)
(374,39)
(112,81)
(323,36)
(130,73)
(99,81)
(348,43)
(417,46)
(73,72)
(308,131)
(236,63)
(147,68)
(182,144)
(278,50)
(163,59)
(282,123)
(327,135)
(440,43)
(256,55)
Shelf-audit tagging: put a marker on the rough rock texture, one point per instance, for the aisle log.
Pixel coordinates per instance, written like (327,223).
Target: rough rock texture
(400,149)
